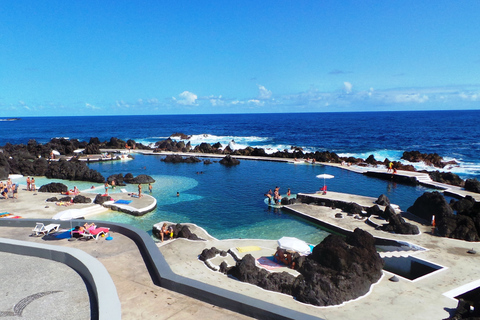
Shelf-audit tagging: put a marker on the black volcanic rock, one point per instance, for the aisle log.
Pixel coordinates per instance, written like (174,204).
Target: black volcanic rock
(118,178)
(397,224)
(92,149)
(116,143)
(179,231)
(101,199)
(429,204)
(53,187)
(463,226)
(472,185)
(353,208)
(371,160)
(446,177)
(81,199)
(4,167)
(339,269)
(179,159)
(73,170)
(383,200)
(94,140)
(180,135)
(208,254)
(229,161)
(374,211)
(140,179)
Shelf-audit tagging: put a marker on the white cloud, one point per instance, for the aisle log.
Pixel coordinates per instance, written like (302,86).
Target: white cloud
(91,106)
(409,97)
(187,98)
(264,93)
(256,102)
(469,96)
(347,87)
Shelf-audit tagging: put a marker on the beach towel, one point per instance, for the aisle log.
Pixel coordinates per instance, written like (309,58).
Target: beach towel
(98,230)
(268,263)
(122,202)
(248,248)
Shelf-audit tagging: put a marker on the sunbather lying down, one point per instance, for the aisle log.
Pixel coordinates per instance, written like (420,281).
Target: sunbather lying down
(89,229)
(286,257)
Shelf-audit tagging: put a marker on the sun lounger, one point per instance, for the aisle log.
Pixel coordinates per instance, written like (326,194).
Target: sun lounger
(97,232)
(91,234)
(41,229)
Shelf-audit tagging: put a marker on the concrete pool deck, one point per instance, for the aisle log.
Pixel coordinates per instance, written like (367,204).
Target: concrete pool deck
(34,205)
(140,297)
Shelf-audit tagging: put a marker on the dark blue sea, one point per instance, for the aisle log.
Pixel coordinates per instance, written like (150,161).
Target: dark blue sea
(228,202)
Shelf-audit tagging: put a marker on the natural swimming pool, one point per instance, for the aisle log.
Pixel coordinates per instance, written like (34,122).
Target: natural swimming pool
(228,201)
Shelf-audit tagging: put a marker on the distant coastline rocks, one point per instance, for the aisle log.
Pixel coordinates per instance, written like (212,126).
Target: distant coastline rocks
(30,159)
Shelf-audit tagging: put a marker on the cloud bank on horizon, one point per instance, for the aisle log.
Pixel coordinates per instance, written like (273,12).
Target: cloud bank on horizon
(93,58)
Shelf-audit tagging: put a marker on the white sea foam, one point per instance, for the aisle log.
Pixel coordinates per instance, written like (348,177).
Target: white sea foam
(379,155)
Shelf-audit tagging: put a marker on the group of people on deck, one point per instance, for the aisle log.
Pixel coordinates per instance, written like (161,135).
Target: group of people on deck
(277,198)
(7,187)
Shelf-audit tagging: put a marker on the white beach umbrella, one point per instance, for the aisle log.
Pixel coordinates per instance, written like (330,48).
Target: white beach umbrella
(68,214)
(295,244)
(325,176)
(55,152)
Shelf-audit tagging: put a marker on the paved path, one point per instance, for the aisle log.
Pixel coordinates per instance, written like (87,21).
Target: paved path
(139,297)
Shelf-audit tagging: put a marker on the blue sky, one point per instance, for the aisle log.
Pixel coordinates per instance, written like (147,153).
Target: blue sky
(196,57)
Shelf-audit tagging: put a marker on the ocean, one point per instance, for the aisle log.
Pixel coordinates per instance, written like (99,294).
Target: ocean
(228,202)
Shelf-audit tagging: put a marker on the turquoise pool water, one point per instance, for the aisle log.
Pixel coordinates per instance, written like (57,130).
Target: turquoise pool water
(228,201)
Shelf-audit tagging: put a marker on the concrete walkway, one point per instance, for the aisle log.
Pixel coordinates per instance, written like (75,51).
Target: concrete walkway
(139,297)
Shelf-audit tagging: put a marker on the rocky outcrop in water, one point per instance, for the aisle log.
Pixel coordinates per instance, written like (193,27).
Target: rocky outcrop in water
(140,179)
(173,158)
(229,161)
(339,269)
(118,178)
